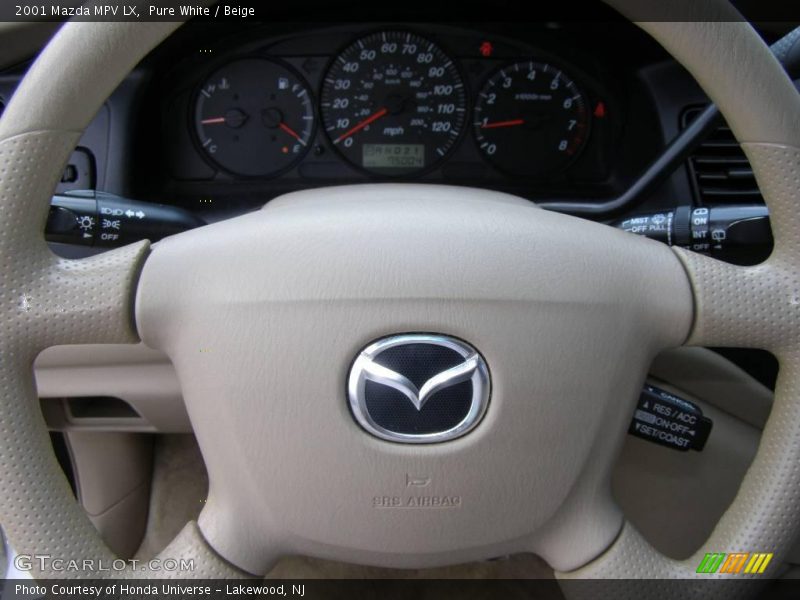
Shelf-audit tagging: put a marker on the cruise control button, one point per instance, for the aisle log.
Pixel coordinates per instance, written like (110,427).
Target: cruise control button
(666,419)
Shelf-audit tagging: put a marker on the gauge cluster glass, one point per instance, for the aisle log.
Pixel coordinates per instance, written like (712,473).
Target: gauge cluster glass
(254,117)
(393,103)
(530,119)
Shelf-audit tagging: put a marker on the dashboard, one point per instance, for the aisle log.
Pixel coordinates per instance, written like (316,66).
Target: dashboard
(393,103)
(223,117)
(541,112)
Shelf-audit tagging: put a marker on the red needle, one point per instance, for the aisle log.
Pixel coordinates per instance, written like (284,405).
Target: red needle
(361,125)
(291,132)
(511,123)
(213,121)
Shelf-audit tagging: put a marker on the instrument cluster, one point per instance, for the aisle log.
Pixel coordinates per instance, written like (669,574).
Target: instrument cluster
(393,103)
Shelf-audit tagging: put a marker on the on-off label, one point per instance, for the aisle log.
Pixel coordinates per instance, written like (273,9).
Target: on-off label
(666,419)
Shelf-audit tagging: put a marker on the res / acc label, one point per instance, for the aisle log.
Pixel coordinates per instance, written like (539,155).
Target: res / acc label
(665,419)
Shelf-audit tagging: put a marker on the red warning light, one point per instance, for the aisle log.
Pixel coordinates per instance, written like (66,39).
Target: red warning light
(600,110)
(486,49)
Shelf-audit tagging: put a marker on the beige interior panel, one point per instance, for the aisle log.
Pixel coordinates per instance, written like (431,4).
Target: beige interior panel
(142,377)
(710,376)
(112,480)
(675,498)
(121,525)
(123,458)
(178,492)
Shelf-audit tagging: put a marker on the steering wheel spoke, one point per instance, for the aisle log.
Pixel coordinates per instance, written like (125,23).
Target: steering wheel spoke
(758,306)
(105,282)
(732,306)
(55,300)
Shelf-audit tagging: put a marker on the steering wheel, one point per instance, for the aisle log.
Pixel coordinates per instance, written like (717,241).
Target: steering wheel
(264,314)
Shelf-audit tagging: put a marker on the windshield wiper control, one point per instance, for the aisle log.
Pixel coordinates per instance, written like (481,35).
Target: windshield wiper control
(706,229)
(92,218)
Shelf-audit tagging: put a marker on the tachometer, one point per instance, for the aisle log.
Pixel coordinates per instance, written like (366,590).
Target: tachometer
(393,103)
(254,117)
(530,119)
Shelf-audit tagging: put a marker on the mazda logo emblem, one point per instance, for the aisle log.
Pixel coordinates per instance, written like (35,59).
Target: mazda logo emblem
(418,388)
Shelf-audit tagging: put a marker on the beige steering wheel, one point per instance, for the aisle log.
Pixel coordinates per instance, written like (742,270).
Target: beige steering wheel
(262,316)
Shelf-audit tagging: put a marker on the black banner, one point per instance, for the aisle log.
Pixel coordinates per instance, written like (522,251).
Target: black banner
(390,589)
(355,10)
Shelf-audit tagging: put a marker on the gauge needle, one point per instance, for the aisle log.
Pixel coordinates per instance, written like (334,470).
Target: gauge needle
(361,125)
(496,124)
(233,118)
(291,132)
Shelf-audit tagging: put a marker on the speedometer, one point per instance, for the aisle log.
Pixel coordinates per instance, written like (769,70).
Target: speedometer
(393,103)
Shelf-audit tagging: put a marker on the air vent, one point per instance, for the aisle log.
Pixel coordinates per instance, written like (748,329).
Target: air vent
(720,172)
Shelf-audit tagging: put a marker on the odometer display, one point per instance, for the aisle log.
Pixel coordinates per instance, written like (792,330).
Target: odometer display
(531,119)
(393,103)
(394,156)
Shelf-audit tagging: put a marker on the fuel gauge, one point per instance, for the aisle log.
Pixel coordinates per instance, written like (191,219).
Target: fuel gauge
(254,117)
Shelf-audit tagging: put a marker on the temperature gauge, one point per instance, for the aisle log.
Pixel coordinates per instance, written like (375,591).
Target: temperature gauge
(254,117)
